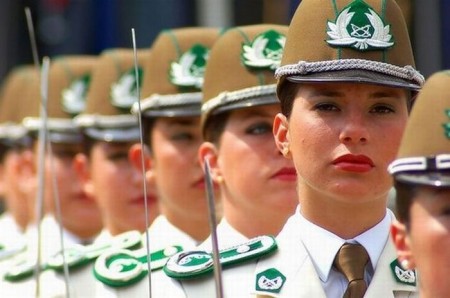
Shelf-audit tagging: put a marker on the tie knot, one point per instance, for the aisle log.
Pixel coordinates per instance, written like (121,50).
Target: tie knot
(351,261)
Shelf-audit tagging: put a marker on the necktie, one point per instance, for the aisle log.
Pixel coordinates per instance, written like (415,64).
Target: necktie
(351,261)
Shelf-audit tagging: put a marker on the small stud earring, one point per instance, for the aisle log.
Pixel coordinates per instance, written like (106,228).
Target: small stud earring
(404,264)
(219,179)
(285,151)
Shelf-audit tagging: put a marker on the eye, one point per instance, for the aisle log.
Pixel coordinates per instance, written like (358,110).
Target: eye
(61,153)
(182,136)
(119,155)
(326,106)
(382,109)
(259,128)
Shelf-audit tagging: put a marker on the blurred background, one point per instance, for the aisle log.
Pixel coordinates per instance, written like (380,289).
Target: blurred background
(90,26)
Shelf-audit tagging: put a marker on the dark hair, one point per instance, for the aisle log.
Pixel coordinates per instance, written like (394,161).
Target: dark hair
(147,127)
(405,193)
(214,127)
(286,94)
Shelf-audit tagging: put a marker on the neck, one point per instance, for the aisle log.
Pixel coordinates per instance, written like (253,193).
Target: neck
(195,227)
(344,219)
(253,224)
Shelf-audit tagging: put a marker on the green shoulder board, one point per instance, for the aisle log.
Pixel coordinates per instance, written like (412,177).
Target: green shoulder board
(197,263)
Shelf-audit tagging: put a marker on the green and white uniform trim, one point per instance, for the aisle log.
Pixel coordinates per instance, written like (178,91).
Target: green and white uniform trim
(198,263)
(119,268)
(75,256)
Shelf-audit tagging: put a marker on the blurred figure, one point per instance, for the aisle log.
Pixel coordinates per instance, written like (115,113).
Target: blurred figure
(422,179)
(109,132)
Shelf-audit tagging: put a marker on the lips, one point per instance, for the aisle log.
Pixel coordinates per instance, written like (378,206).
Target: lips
(286,174)
(354,163)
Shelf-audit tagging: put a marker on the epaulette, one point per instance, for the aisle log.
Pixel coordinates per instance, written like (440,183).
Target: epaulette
(7,250)
(198,263)
(74,257)
(119,268)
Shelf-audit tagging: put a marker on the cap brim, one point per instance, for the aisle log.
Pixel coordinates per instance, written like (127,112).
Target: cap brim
(130,134)
(435,179)
(247,103)
(355,76)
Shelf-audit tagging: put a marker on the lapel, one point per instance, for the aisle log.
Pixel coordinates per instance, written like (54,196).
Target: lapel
(384,283)
(293,261)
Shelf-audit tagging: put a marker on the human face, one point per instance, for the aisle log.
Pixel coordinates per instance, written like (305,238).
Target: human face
(118,188)
(175,168)
(257,179)
(429,240)
(342,137)
(80,214)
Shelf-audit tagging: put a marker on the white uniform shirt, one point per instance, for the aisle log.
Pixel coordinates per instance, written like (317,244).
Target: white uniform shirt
(322,247)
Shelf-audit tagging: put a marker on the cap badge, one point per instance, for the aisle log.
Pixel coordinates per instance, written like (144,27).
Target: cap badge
(190,68)
(359,26)
(401,275)
(270,280)
(265,51)
(74,97)
(124,92)
(447,125)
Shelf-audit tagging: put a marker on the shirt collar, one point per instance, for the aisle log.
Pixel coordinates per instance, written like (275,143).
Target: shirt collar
(323,245)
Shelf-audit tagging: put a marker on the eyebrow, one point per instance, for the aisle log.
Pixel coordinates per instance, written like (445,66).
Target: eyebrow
(181,122)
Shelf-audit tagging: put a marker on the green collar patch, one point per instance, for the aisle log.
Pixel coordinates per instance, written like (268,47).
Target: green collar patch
(124,92)
(189,70)
(265,51)
(401,275)
(74,97)
(358,26)
(270,280)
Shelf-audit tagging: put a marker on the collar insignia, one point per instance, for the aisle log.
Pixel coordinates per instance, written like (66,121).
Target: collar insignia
(265,51)
(74,97)
(403,276)
(360,27)
(124,92)
(188,71)
(270,280)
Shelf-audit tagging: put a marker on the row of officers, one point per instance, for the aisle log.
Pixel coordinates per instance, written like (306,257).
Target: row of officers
(298,132)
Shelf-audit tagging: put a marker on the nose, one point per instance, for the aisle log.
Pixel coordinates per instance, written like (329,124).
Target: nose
(354,130)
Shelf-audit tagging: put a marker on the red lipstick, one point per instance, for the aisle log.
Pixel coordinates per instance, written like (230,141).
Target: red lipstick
(354,163)
(286,174)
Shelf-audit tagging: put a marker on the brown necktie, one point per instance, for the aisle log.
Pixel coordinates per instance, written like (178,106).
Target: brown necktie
(351,261)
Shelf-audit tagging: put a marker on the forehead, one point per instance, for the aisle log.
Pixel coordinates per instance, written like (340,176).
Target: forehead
(340,89)
(168,122)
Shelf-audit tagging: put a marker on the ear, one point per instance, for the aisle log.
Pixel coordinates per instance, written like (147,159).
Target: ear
(27,172)
(208,151)
(135,156)
(401,241)
(281,134)
(83,172)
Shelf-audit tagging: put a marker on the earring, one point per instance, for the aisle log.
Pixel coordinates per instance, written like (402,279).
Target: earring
(285,151)
(405,264)
(219,179)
